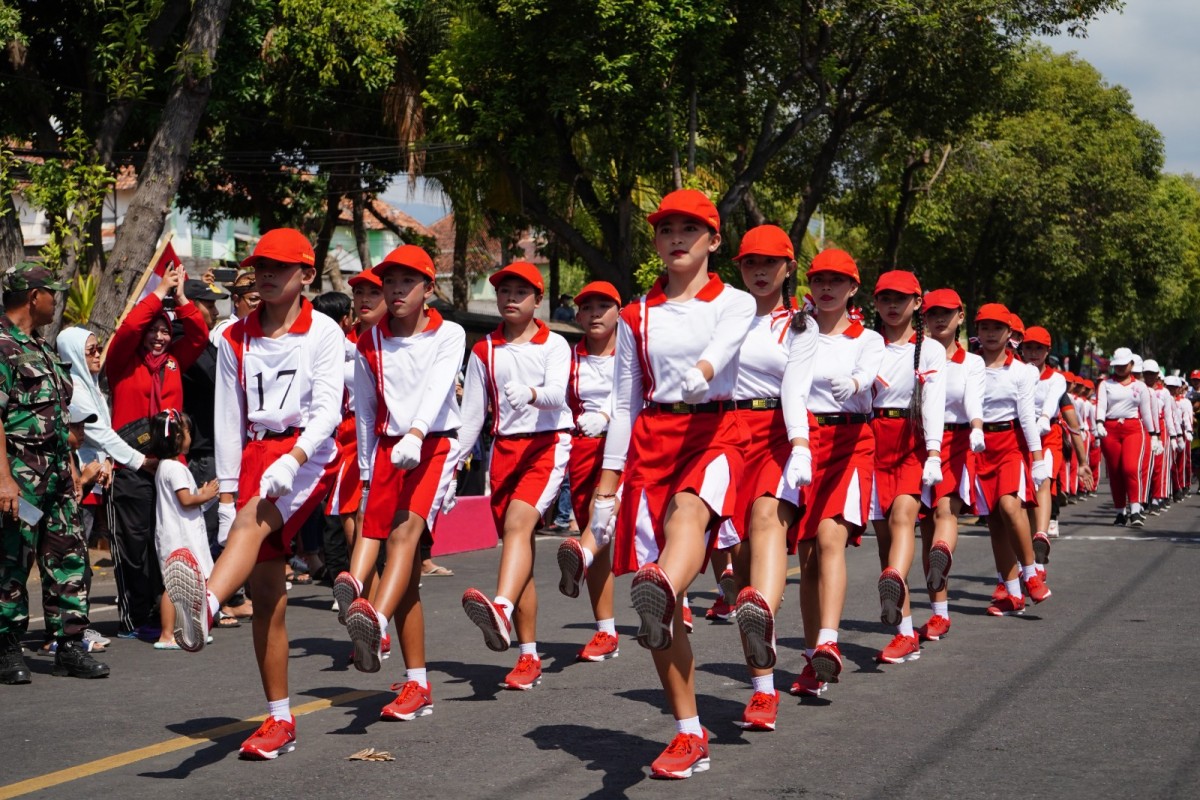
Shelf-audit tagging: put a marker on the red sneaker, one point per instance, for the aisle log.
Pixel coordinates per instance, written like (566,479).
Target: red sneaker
(686,754)
(1007,606)
(184,584)
(385,647)
(1036,588)
(940,561)
(728,585)
(688,622)
(901,649)
(827,662)
(807,682)
(413,701)
(654,602)
(934,630)
(570,563)
(602,647)
(346,589)
(491,619)
(721,611)
(999,593)
(526,674)
(1041,548)
(757,624)
(891,596)
(760,712)
(273,737)
(362,623)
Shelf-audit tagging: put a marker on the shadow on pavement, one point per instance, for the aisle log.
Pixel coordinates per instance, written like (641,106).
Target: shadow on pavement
(220,747)
(619,755)
(484,679)
(717,714)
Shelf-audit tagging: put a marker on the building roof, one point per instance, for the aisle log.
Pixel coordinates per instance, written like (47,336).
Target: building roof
(388,212)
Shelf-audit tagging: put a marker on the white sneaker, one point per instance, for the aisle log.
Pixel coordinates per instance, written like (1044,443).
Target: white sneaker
(1052,530)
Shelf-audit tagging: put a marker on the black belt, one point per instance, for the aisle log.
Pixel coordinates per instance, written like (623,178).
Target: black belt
(893,413)
(758,404)
(582,435)
(711,407)
(956,426)
(532,435)
(842,419)
(997,427)
(283,434)
(443,434)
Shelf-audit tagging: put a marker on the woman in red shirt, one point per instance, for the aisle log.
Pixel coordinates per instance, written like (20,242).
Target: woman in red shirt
(144,369)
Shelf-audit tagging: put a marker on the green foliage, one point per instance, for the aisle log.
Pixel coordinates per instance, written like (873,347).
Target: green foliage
(81,298)
(71,192)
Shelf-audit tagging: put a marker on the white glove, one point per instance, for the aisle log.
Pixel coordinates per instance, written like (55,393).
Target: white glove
(932,474)
(518,396)
(277,479)
(1187,435)
(1179,445)
(1156,446)
(695,387)
(406,453)
(1101,431)
(604,520)
(798,470)
(592,423)
(843,388)
(1043,425)
(978,440)
(451,498)
(226,513)
(1041,473)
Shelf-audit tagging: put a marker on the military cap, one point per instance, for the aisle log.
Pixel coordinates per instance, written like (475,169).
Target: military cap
(31,275)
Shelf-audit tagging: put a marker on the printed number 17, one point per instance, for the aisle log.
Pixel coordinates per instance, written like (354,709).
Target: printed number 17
(291,376)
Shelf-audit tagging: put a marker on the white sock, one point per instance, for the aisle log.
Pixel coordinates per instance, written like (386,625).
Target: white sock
(358,587)
(505,604)
(808,652)
(529,649)
(1135,508)
(214,605)
(1014,588)
(941,608)
(690,725)
(827,636)
(588,558)
(280,709)
(999,578)
(608,626)
(1028,571)
(687,605)
(383,622)
(906,628)
(764,683)
(421,676)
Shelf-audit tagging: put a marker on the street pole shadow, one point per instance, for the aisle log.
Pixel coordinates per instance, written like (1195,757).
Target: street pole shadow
(619,756)
(484,679)
(338,651)
(221,747)
(717,714)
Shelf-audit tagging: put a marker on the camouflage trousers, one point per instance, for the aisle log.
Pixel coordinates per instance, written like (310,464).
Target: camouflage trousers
(58,545)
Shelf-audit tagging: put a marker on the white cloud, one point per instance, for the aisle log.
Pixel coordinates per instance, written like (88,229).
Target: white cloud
(1153,50)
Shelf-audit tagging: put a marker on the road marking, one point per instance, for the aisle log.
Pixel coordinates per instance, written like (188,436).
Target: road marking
(169,746)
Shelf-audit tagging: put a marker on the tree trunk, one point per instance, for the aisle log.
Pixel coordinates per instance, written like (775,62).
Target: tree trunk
(12,243)
(360,229)
(458,279)
(165,162)
(555,274)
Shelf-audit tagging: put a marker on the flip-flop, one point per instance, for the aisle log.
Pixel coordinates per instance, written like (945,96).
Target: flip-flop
(228,621)
(438,572)
(166,646)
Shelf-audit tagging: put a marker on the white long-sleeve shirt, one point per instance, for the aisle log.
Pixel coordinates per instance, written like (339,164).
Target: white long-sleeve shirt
(796,383)
(658,341)
(1187,420)
(590,386)
(406,382)
(543,363)
(855,353)
(293,381)
(1118,401)
(1008,396)
(1051,386)
(1165,407)
(764,354)
(964,387)
(896,380)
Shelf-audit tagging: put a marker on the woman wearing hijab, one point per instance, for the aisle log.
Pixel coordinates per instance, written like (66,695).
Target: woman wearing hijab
(144,368)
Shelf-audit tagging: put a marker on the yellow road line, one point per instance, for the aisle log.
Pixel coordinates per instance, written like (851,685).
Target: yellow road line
(793,572)
(161,748)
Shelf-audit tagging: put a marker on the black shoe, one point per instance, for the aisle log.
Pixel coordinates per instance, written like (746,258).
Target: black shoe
(73,659)
(13,669)
(1120,520)
(1137,519)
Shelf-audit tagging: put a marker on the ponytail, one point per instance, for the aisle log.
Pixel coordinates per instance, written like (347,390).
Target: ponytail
(803,315)
(918,393)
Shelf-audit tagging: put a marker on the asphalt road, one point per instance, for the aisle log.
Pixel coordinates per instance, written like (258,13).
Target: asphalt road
(1092,694)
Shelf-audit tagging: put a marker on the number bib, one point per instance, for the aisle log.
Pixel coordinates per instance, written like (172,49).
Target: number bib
(275,388)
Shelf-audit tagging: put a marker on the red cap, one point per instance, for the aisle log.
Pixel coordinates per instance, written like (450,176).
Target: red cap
(1037,334)
(1070,377)
(409,256)
(994,312)
(942,298)
(1015,323)
(285,245)
(897,280)
(834,260)
(599,289)
(690,203)
(766,240)
(519,269)
(1195,375)
(369,276)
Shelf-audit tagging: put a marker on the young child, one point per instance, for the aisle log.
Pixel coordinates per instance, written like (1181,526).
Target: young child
(520,370)
(589,395)
(179,507)
(407,419)
(279,399)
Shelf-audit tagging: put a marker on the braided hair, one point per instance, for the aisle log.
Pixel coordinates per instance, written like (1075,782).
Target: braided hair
(788,290)
(918,393)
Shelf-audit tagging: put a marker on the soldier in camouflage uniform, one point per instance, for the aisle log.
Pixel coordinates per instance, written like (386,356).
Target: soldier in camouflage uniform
(35,476)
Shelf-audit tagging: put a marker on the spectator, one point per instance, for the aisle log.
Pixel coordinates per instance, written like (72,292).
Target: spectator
(563,312)
(38,516)
(144,375)
(245,299)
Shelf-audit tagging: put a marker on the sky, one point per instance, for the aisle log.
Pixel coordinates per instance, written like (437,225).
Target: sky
(1152,48)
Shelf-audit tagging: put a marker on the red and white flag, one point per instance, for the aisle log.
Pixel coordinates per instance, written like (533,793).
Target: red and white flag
(167,259)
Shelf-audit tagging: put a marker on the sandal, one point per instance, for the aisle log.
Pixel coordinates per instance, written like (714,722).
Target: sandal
(438,571)
(227,621)
(302,579)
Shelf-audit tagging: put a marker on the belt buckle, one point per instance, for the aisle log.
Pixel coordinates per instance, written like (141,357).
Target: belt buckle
(759,404)
(680,408)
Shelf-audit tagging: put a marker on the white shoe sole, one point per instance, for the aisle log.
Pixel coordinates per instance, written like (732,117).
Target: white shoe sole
(653,604)
(344,593)
(758,628)
(367,639)
(481,611)
(570,564)
(185,586)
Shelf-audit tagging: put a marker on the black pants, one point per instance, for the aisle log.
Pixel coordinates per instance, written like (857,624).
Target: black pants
(204,469)
(139,581)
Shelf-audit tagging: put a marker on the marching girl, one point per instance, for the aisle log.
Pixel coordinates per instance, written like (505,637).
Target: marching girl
(1127,429)
(778,464)
(843,454)
(1003,478)
(1185,415)
(910,408)
(1160,481)
(407,419)
(589,396)
(676,447)
(1095,451)
(520,371)
(963,437)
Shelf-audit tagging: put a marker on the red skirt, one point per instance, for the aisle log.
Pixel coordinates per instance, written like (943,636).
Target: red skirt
(346,495)
(527,468)
(765,457)
(419,490)
(670,454)
(843,462)
(1052,452)
(587,459)
(958,467)
(310,485)
(1002,468)
(898,467)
